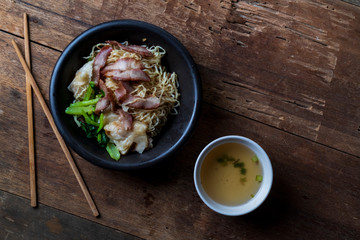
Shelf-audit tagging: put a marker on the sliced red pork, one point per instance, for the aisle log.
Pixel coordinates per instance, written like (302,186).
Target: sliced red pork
(123,64)
(133,48)
(128,75)
(99,62)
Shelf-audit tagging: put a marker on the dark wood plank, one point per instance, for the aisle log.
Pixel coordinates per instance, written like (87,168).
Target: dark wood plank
(284,62)
(282,73)
(19,222)
(355,2)
(315,193)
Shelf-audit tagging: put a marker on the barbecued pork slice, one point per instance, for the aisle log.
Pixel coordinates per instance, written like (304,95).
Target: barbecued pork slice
(123,64)
(150,102)
(133,48)
(120,89)
(99,62)
(128,75)
(101,105)
(105,101)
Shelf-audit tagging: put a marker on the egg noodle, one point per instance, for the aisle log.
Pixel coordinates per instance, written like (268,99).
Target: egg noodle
(163,85)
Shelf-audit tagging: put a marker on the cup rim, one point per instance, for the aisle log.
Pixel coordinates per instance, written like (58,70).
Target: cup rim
(261,194)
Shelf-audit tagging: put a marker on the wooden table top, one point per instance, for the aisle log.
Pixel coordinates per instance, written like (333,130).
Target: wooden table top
(283,73)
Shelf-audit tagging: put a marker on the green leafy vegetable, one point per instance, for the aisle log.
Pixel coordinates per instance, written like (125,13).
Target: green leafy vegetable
(90,92)
(100,94)
(113,151)
(79,110)
(90,130)
(101,122)
(88,120)
(85,103)
(92,85)
(102,139)
(92,124)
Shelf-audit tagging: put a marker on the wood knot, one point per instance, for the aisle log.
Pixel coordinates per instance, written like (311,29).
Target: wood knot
(54,225)
(149,199)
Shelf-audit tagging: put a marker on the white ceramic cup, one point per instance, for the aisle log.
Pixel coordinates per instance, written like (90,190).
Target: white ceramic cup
(260,196)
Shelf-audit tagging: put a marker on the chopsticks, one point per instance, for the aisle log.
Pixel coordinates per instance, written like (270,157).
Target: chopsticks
(58,136)
(33,195)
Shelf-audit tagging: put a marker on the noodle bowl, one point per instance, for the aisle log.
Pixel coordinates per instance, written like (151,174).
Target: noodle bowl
(162,85)
(178,129)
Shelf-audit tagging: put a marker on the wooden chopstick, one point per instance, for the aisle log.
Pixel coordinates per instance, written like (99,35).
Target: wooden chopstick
(58,136)
(33,195)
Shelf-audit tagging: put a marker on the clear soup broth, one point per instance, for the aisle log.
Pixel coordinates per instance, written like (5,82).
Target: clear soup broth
(231,174)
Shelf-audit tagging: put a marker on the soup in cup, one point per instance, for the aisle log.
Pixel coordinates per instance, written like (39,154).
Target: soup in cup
(233,175)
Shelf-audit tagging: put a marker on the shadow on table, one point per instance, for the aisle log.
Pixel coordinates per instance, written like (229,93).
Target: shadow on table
(161,173)
(276,209)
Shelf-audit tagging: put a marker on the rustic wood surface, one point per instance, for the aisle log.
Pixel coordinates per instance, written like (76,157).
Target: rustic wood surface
(283,73)
(48,223)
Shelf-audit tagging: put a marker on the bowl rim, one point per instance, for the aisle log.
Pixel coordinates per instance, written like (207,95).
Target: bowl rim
(129,23)
(261,194)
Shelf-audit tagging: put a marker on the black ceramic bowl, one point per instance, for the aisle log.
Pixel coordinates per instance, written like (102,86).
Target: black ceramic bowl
(177,59)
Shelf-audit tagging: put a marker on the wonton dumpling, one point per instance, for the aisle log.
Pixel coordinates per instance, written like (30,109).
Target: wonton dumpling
(124,139)
(81,81)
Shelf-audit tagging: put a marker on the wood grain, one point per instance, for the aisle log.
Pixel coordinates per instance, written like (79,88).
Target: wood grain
(308,197)
(57,134)
(283,73)
(355,2)
(19,222)
(291,54)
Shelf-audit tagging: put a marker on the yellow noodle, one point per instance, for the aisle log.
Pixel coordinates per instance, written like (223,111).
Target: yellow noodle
(162,85)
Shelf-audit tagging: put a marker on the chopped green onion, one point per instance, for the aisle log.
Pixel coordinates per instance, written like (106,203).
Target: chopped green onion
(255,159)
(222,161)
(259,178)
(79,110)
(113,151)
(229,158)
(243,171)
(243,180)
(226,158)
(238,164)
(252,195)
